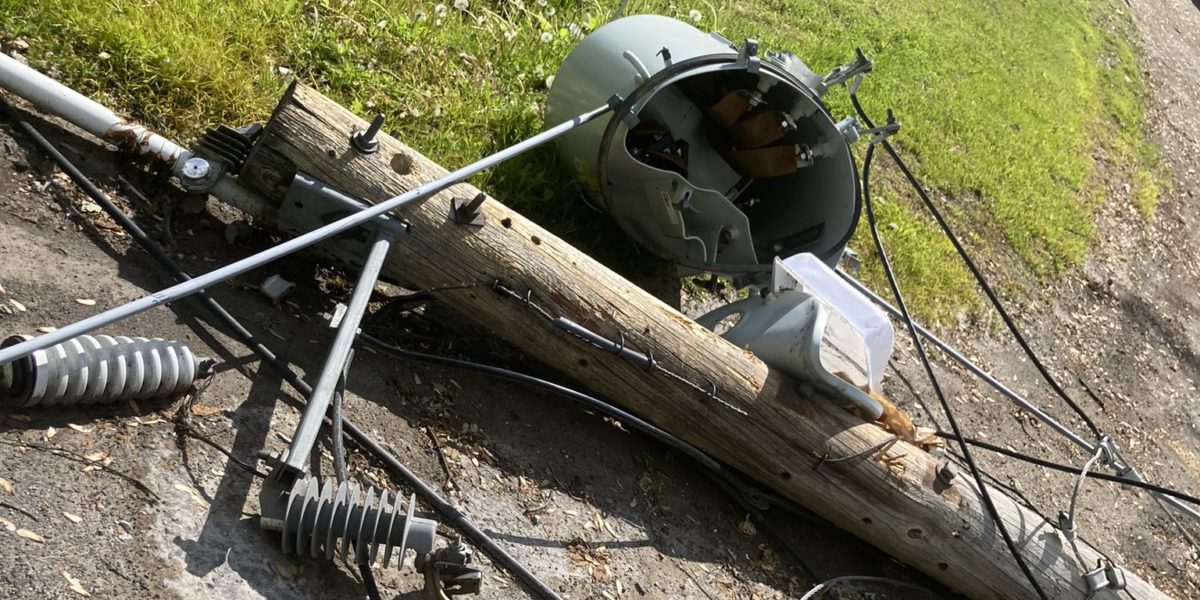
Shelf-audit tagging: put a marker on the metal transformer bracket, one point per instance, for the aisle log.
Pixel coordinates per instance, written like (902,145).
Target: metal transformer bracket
(791,330)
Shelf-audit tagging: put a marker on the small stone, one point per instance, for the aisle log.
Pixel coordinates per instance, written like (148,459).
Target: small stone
(17,46)
(20,165)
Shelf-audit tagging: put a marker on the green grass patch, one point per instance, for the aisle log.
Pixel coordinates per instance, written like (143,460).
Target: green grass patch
(1006,104)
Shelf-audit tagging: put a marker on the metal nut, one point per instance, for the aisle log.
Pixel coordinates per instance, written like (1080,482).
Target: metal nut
(195,168)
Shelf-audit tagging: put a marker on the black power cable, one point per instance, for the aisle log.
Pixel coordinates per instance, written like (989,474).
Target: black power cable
(985,495)
(592,402)
(1041,462)
(427,494)
(978,275)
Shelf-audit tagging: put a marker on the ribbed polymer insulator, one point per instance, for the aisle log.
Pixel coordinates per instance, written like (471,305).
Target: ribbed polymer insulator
(95,369)
(332,518)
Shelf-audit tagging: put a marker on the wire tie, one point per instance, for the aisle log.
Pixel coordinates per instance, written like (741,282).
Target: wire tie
(820,461)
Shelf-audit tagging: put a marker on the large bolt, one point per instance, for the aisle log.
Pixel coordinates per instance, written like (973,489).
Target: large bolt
(947,471)
(364,141)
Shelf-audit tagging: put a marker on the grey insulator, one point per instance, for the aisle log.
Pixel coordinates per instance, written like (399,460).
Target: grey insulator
(332,518)
(97,369)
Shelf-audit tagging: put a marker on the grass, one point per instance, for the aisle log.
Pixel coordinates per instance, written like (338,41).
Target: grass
(1007,105)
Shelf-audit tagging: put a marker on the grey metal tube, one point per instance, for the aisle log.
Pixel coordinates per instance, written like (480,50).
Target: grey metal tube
(192,286)
(91,116)
(339,352)
(1116,464)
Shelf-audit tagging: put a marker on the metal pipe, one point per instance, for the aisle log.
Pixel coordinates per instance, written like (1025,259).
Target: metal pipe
(339,352)
(1115,463)
(192,286)
(55,98)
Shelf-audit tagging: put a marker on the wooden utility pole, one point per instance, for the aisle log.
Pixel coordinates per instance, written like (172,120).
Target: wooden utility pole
(763,424)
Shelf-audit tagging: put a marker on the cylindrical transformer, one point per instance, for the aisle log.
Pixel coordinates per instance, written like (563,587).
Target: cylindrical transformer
(715,159)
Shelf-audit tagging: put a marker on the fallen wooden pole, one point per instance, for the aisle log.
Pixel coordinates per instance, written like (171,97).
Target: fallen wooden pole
(759,421)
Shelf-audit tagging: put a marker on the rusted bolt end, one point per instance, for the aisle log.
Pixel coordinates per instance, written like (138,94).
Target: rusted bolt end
(947,471)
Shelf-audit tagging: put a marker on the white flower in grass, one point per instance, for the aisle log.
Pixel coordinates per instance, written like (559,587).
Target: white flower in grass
(462,4)
(439,10)
(574,30)
(510,34)
(547,37)
(695,15)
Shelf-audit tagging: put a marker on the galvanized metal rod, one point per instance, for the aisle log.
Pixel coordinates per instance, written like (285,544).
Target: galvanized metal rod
(339,352)
(192,286)
(1116,464)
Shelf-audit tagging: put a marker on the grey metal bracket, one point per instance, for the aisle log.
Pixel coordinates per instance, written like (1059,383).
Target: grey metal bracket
(785,328)
(853,70)
(310,204)
(748,56)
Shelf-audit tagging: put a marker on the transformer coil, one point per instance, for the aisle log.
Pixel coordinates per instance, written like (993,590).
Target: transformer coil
(97,369)
(334,518)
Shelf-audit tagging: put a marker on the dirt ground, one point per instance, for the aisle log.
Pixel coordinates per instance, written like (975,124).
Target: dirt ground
(593,510)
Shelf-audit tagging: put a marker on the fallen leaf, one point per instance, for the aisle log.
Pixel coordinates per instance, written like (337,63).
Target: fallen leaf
(206,411)
(51,432)
(79,428)
(280,572)
(416,379)
(76,586)
(746,526)
(31,536)
(5,523)
(72,518)
(17,305)
(6,485)
(89,207)
(86,301)
(194,494)
(46,329)
(98,456)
